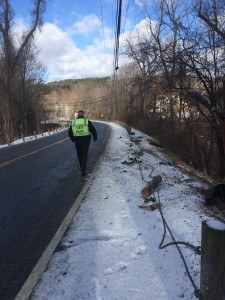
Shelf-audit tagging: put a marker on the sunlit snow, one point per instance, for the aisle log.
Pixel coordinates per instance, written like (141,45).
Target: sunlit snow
(111,250)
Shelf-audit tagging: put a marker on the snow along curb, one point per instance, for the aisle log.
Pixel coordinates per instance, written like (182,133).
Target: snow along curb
(39,268)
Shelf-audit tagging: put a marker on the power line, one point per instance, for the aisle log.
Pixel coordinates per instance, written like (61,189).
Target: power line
(117,35)
(128,4)
(116,52)
(103,31)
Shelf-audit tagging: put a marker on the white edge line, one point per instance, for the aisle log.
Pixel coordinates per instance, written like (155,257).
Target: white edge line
(39,268)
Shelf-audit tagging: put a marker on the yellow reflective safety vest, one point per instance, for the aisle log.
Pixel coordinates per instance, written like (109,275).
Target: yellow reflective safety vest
(80,127)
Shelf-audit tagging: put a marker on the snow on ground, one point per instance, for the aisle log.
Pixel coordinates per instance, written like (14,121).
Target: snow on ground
(111,250)
(33,137)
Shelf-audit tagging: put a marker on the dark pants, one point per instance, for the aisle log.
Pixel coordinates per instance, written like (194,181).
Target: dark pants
(82,145)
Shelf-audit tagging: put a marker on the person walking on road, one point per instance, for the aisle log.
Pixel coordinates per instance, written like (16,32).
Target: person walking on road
(79,133)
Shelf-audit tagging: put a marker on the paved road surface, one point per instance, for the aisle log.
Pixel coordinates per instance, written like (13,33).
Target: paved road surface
(39,182)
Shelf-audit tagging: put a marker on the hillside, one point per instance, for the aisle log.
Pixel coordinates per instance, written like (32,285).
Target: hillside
(64,98)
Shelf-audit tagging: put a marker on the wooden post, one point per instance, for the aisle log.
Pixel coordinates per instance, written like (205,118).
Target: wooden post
(149,188)
(213,247)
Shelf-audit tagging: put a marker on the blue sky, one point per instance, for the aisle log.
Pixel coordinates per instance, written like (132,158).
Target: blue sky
(71,42)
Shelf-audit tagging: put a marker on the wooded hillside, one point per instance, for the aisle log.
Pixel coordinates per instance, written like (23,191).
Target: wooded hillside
(64,98)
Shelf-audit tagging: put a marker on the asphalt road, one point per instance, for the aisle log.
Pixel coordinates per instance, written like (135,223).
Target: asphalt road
(39,183)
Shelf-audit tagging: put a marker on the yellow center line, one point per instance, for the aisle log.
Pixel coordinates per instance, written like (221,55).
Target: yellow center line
(30,153)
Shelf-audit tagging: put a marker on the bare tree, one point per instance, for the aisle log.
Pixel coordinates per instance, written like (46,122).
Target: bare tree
(10,59)
(189,55)
(159,55)
(142,52)
(29,87)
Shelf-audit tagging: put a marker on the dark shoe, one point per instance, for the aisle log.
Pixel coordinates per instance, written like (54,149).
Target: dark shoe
(83,173)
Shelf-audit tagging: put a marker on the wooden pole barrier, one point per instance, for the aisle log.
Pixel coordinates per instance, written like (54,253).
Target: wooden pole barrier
(150,187)
(213,248)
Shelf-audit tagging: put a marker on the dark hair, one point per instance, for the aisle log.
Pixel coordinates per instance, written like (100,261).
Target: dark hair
(80,113)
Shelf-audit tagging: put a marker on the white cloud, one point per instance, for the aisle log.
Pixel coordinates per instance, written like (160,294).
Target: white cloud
(86,25)
(139,33)
(54,42)
(64,59)
(19,28)
(142,3)
(67,58)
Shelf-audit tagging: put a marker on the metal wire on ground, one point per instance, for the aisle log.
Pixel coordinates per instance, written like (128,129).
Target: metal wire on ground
(166,227)
(197,249)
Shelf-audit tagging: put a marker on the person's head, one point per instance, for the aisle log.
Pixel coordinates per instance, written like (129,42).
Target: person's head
(80,113)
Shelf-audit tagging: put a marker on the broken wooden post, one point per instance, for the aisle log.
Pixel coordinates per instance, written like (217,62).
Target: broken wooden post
(212,281)
(150,187)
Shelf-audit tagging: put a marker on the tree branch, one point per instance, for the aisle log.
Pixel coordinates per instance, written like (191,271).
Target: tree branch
(37,12)
(209,22)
